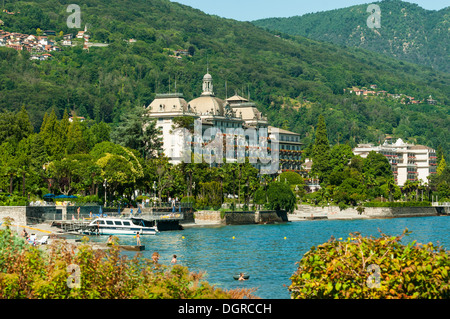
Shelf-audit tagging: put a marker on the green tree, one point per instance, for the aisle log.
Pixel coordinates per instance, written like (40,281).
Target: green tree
(281,197)
(340,157)
(100,132)
(53,136)
(121,167)
(138,131)
(15,126)
(321,152)
(76,142)
(376,166)
(292,178)
(442,165)
(162,172)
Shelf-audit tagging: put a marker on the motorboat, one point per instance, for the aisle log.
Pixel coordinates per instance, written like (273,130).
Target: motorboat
(118,226)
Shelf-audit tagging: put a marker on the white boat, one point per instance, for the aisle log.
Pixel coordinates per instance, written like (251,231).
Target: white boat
(118,226)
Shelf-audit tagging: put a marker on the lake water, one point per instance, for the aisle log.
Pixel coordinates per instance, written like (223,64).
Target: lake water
(268,253)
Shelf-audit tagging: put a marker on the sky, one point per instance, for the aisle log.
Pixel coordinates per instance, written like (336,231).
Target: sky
(248,10)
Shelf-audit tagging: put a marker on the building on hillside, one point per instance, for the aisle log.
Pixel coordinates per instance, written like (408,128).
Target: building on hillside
(408,161)
(234,118)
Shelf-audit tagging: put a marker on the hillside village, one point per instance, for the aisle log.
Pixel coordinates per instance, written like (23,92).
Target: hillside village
(373,91)
(39,46)
(45,42)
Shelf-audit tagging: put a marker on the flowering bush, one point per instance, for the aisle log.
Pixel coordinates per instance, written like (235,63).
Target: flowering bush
(372,268)
(65,271)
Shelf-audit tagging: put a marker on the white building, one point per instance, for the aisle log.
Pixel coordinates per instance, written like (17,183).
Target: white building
(408,161)
(215,114)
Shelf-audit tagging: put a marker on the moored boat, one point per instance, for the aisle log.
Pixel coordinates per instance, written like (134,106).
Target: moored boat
(118,226)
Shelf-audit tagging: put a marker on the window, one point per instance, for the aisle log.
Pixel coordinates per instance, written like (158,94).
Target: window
(126,223)
(118,222)
(109,222)
(101,222)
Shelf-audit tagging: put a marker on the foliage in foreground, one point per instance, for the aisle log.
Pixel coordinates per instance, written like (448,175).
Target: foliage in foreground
(29,272)
(368,267)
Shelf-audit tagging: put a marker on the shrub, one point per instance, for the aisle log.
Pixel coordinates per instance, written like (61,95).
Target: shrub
(292,178)
(13,200)
(29,272)
(398,204)
(281,197)
(343,269)
(188,199)
(89,199)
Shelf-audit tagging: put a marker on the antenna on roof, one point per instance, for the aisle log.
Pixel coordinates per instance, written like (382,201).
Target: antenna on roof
(175,84)
(226,90)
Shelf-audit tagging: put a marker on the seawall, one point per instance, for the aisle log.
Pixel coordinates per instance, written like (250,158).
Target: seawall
(333,212)
(240,217)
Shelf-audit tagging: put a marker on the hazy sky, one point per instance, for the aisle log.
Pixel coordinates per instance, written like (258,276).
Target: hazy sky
(248,10)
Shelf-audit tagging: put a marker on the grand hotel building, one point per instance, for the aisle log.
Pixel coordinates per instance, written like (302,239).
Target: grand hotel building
(215,114)
(409,162)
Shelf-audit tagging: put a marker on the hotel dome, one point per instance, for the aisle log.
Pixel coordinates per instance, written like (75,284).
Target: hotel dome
(207,103)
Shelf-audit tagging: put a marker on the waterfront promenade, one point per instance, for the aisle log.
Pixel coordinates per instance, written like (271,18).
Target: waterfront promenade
(302,213)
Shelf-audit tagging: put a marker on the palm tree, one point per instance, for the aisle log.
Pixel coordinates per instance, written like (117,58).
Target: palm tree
(391,188)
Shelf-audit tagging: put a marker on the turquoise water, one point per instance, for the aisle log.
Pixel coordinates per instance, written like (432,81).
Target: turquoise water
(263,252)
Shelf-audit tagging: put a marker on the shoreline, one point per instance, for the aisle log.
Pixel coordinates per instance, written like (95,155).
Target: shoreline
(311,213)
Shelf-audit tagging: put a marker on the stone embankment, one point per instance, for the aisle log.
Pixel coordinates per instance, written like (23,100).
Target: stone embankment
(217,218)
(306,212)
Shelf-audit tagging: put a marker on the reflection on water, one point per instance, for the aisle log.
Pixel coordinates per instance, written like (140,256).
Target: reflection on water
(268,253)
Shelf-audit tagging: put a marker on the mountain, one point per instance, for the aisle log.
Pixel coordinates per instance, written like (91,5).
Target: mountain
(292,79)
(407,31)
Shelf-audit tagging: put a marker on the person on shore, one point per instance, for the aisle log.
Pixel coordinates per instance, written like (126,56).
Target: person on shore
(109,242)
(174,259)
(24,233)
(32,240)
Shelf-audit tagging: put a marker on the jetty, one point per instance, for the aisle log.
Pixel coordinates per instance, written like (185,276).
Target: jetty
(165,217)
(98,245)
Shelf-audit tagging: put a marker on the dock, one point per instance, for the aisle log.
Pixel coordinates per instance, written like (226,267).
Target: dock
(71,226)
(104,246)
(121,247)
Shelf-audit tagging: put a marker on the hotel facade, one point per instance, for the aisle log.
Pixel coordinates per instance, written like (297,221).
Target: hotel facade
(229,130)
(409,162)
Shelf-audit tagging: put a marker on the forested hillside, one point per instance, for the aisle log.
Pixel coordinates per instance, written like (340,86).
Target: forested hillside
(291,78)
(407,31)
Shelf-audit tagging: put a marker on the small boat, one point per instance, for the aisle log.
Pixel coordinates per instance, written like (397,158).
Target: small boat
(245,276)
(118,226)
